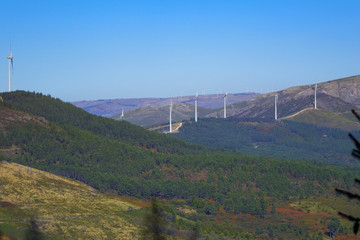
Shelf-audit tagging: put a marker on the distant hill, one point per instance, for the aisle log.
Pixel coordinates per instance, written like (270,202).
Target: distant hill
(153,115)
(300,131)
(111,107)
(339,96)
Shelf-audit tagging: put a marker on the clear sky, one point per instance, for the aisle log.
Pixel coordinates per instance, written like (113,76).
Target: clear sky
(86,50)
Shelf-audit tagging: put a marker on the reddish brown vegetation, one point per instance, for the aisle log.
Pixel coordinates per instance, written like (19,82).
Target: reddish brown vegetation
(296,213)
(6,205)
(134,202)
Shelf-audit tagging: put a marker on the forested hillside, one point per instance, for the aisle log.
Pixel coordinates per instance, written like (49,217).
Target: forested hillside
(63,113)
(282,139)
(132,161)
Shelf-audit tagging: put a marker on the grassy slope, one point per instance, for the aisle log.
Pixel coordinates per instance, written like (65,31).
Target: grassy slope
(324,118)
(63,208)
(67,209)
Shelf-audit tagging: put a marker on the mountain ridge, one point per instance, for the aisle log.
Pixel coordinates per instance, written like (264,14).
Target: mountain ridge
(111,107)
(339,95)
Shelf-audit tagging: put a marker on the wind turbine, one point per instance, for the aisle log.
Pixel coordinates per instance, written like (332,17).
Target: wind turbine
(276,101)
(12,66)
(315,97)
(196,100)
(122,114)
(225,96)
(170,125)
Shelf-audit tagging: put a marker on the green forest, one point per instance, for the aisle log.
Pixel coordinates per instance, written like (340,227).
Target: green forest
(283,139)
(118,156)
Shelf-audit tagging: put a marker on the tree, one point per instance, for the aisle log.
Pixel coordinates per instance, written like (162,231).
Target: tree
(356,154)
(154,223)
(333,226)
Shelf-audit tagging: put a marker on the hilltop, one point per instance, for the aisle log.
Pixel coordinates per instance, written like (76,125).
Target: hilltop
(111,107)
(61,113)
(153,115)
(339,96)
(300,131)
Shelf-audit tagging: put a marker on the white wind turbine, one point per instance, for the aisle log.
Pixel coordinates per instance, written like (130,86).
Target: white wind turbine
(315,97)
(11,62)
(122,114)
(170,125)
(225,96)
(196,100)
(276,101)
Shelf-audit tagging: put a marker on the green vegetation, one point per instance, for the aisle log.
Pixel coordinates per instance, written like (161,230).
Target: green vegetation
(324,118)
(62,114)
(229,194)
(283,139)
(34,203)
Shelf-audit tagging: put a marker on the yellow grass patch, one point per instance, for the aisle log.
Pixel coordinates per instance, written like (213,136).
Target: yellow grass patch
(66,208)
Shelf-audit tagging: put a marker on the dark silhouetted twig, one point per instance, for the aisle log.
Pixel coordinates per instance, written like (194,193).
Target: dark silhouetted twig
(348,194)
(355,113)
(356,154)
(353,219)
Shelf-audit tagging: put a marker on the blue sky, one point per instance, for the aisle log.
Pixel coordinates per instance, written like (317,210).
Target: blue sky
(83,50)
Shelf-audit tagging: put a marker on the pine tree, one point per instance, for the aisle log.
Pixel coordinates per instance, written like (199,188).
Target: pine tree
(154,223)
(356,154)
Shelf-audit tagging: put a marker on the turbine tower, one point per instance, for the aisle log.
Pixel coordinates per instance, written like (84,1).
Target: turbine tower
(276,101)
(11,62)
(196,100)
(315,97)
(170,125)
(225,96)
(122,114)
